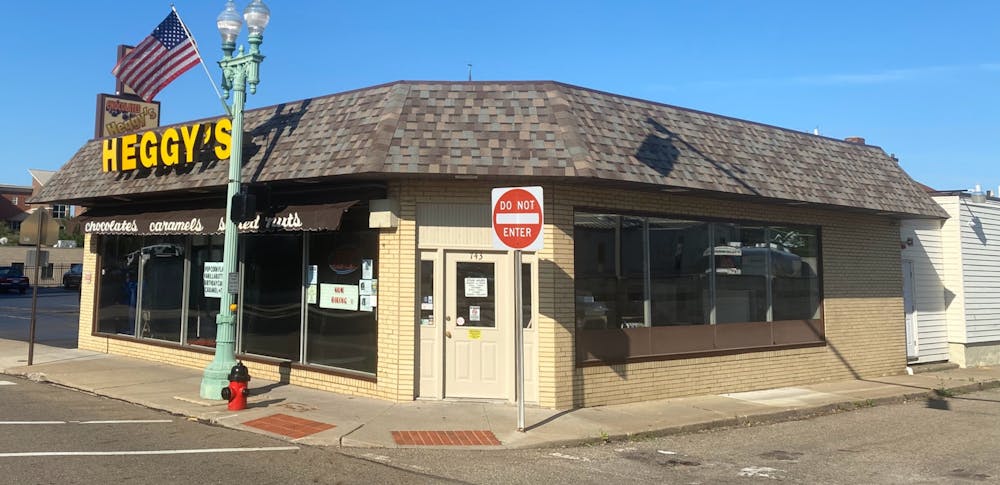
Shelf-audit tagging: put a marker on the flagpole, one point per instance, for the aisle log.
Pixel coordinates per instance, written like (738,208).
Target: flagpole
(202,61)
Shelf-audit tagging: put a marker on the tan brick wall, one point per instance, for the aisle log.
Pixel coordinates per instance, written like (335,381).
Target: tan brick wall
(862,290)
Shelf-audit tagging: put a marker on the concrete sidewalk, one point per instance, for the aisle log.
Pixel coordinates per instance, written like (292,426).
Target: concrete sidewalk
(323,418)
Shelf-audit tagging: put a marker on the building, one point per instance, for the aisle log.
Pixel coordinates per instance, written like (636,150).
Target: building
(14,209)
(14,205)
(38,180)
(951,285)
(685,252)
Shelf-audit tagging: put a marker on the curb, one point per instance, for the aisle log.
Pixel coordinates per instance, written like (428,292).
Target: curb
(738,421)
(764,419)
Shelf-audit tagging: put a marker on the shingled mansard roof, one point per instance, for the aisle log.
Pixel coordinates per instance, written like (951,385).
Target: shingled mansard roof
(536,129)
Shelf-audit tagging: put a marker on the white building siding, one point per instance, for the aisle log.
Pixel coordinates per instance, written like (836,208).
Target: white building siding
(951,257)
(980,236)
(929,292)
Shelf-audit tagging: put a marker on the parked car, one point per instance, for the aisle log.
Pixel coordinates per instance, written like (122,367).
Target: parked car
(72,278)
(11,278)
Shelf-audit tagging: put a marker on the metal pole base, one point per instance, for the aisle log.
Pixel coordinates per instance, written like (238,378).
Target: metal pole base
(213,382)
(216,374)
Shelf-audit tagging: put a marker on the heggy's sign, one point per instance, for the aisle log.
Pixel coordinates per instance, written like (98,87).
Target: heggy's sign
(173,146)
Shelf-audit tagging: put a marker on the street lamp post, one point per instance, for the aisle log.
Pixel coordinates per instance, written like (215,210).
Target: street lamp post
(237,72)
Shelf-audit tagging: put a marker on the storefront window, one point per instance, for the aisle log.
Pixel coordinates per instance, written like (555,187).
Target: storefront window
(707,286)
(161,271)
(202,307)
(118,284)
(795,264)
(609,271)
(342,284)
(272,295)
(741,259)
(678,272)
(169,288)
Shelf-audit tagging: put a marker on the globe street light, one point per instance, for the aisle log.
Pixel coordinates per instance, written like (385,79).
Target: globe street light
(237,72)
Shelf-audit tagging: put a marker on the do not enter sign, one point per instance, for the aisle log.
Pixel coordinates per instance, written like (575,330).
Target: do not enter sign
(517,218)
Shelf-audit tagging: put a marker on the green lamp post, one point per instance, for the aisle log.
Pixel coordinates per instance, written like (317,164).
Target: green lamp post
(237,72)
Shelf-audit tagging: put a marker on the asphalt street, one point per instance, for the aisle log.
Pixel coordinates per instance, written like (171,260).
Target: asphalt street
(56,319)
(50,435)
(945,440)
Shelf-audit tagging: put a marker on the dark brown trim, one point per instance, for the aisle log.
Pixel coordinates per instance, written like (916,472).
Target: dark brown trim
(211,220)
(615,344)
(694,355)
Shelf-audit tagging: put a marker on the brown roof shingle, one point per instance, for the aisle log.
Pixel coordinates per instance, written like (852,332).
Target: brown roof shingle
(542,129)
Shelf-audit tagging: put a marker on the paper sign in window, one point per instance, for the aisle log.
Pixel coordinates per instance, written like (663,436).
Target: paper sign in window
(476,288)
(311,271)
(338,297)
(214,279)
(367,304)
(366,287)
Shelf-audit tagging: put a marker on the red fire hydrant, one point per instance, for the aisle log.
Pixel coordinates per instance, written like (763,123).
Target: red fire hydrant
(237,391)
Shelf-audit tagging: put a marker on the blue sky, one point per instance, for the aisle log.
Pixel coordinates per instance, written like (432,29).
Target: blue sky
(920,79)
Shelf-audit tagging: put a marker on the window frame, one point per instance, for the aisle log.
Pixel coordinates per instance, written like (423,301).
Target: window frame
(60,211)
(651,343)
(300,363)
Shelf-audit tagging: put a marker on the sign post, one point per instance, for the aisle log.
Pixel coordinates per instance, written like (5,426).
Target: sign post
(47,229)
(518,224)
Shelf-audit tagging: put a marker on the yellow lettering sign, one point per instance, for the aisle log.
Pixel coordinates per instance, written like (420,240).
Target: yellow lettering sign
(198,142)
(109,155)
(170,153)
(147,149)
(223,138)
(189,136)
(128,151)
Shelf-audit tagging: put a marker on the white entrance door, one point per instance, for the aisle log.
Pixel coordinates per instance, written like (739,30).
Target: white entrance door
(909,308)
(478,326)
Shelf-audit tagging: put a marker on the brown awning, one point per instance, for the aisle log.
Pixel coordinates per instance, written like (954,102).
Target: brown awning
(303,217)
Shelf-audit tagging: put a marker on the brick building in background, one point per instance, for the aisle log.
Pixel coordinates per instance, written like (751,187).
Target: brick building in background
(13,205)
(14,209)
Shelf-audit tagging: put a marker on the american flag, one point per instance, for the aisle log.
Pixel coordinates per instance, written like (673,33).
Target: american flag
(159,59)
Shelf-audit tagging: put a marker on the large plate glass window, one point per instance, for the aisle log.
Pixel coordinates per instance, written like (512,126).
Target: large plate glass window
(658,286)
(203,306)
(741,259)
(272,295)
(609,271)
(118,284)
(342,285)
(162,289)
(795,271)
(679,271)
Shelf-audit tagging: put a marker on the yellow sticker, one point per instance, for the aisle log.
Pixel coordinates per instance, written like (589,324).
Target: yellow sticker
(475,334)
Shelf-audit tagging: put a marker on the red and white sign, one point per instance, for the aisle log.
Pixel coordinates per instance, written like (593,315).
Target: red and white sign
(517,218)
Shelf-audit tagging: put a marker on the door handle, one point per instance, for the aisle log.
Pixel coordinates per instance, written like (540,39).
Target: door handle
(447,333)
